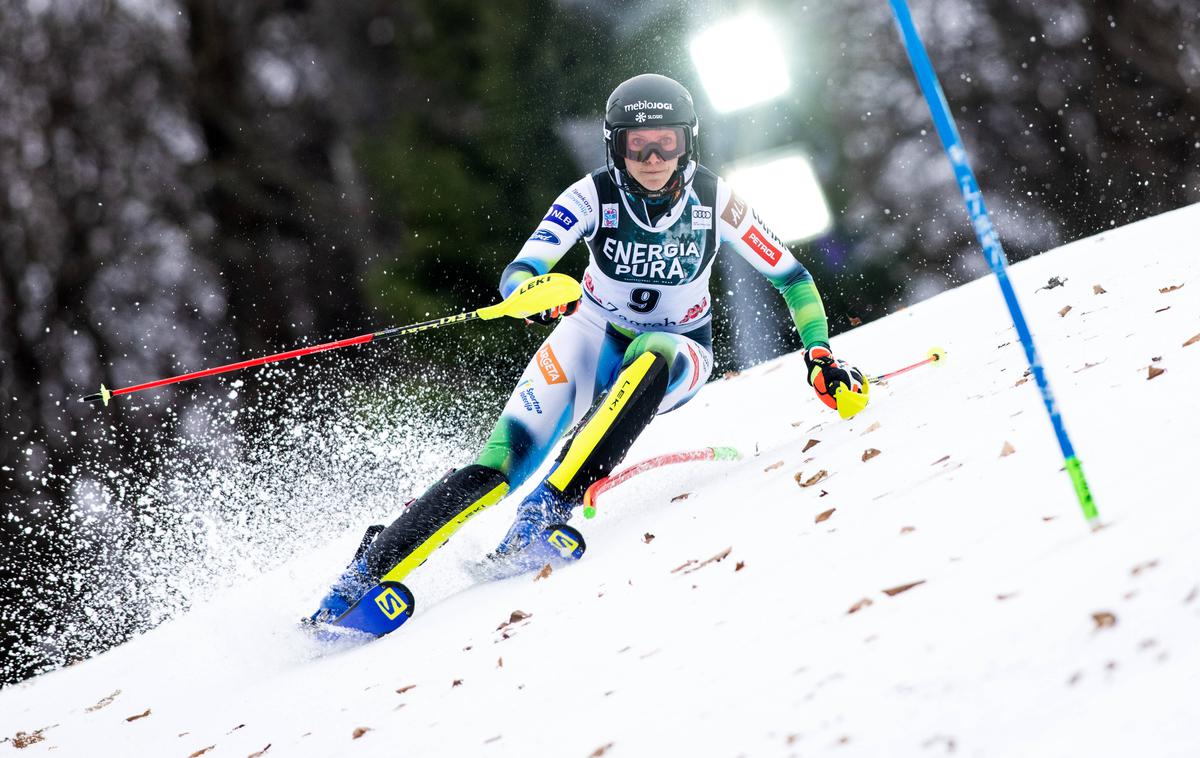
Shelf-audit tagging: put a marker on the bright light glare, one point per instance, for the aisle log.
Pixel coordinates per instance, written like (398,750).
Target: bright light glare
(741,62)
(786,193)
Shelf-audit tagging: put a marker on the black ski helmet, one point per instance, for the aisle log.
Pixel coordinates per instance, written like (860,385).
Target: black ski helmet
(650,100)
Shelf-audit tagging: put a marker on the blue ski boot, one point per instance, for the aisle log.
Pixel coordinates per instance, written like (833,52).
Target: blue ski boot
(541,508)
(538,536)
(351,585)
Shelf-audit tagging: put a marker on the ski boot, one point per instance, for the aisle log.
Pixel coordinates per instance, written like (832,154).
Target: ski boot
(538,536)
(351,585)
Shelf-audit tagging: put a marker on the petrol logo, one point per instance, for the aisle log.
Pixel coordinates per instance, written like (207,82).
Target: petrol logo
(390,603)
(761,245)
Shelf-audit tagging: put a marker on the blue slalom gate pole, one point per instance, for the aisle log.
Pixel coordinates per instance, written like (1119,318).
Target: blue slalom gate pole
(988,239)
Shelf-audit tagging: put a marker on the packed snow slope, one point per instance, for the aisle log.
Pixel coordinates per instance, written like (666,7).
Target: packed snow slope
(1025,633)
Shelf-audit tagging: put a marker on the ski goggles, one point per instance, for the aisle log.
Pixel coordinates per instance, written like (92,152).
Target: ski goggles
(640,142)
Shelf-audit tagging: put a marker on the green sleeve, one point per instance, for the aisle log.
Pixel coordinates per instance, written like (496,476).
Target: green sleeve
(804,302)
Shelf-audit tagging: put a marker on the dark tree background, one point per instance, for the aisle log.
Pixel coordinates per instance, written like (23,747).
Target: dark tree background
(186,183)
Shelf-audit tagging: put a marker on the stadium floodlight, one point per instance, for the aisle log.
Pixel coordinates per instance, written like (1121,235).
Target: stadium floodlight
(741,62)
(785,191)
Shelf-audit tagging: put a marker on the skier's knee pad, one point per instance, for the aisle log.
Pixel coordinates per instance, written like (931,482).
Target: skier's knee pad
(430,520)
(611,426)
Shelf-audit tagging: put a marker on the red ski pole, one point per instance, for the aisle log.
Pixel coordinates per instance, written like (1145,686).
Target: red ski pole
(608,482)
(533,296)
(936,355)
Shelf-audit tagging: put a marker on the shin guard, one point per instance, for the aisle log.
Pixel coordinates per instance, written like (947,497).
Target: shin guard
(611,426)
(430,521)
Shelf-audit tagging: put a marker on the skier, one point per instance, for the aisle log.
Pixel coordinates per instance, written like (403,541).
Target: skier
(638,342)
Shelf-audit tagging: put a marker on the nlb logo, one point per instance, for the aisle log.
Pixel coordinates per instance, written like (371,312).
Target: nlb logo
(758,241)
(390,602)
(551,369)
(561,216)
(563,542)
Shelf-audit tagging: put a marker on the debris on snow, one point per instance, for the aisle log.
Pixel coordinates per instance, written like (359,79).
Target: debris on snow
(260,753)
(773,466)
(855,321)
(740,565)
(823,493)
(405,688)
(824,515)
(142,715)
(103,702)
(936,739)
(907,529)
(1154,371)
(892,592)
(1054,282)
(716,558)
(456,683)
(1005,596)
(874,425)
(860,605)
(1144,566)
(731,374)
(869,453)
(1172,288)
(360,731)
(545,572)
(1164,309)
(943,459)
(500,662)
(1086,366)
(1007,450)
(1191,596)
(1192,341)
(647,538)
(201,751)
(600,750)
(514,618)
(812,479)
(1098,290)
(1065,310)
(684,496)
(810,445)
(25,739)
(1104,619)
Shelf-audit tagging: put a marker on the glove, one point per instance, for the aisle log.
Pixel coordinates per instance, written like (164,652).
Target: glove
(826,374)
(550,315)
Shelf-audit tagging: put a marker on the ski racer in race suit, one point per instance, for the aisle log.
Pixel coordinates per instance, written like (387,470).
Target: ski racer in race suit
(638,343)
